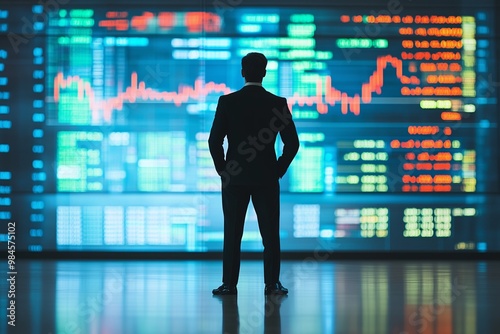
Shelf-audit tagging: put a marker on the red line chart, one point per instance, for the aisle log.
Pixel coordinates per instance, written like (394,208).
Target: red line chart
(325,96)
(136,91)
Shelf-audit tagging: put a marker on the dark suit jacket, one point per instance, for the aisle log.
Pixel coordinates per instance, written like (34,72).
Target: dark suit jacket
(251,118)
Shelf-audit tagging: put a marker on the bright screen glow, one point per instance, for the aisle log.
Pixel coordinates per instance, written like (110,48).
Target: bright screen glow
(105,114)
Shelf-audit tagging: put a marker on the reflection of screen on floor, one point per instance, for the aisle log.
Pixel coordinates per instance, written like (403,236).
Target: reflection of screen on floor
(105,114)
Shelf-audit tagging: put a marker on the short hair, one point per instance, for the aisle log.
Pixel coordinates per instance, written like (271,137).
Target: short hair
(254,66)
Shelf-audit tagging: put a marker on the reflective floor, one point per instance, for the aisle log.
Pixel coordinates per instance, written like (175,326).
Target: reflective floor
(396,297)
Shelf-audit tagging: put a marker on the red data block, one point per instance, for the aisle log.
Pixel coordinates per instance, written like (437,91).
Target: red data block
(166,20)
(202,21)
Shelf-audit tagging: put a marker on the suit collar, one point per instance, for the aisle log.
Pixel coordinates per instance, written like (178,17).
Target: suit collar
(253,84)
(253,87)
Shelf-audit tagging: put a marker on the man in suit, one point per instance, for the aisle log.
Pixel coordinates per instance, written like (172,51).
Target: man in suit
(251,119)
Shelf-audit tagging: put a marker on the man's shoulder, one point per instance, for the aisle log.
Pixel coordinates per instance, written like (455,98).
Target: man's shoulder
(242,93)
(230,95)
(274,96)
(264,93)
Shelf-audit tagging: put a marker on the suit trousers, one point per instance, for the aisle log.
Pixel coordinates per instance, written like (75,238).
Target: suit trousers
(266,202)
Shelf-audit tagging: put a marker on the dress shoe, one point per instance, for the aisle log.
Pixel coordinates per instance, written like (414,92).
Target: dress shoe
(225,289)
(275,289)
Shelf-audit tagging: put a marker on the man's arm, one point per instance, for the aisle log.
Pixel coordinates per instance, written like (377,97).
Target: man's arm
(216,138)
(290,140)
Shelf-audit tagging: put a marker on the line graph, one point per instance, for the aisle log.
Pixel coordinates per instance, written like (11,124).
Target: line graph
(136,90)
(325,96)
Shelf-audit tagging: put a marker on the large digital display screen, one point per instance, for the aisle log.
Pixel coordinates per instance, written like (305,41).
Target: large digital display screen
(105,112)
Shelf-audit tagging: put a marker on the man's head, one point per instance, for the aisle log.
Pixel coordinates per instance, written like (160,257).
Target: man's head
(253,67)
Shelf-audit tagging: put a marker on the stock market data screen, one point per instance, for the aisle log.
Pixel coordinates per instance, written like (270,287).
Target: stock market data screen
(105,113)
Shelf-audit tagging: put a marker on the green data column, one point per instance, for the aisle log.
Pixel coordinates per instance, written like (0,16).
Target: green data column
(73,96)
(307,170)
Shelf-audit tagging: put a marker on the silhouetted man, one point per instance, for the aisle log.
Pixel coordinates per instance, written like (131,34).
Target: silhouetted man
(251,119)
